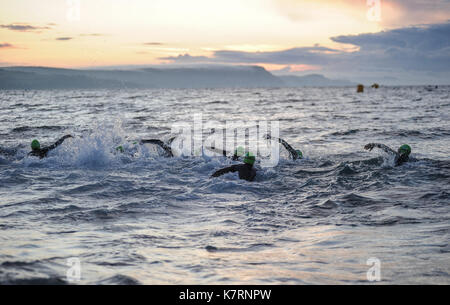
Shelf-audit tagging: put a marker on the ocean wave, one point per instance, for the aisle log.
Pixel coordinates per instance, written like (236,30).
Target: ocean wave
(34,281)
(118,279)
(347,132)
(37,128)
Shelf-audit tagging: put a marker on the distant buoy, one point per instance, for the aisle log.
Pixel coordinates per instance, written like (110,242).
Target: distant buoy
(360,88)
(376,86)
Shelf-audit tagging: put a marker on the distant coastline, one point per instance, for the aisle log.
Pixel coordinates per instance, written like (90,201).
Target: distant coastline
(41,78)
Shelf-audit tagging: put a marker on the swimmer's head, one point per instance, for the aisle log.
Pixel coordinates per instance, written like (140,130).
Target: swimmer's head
(299,154)
(119,148)
(35,145)
(249,159)
(240,151)
(405,149)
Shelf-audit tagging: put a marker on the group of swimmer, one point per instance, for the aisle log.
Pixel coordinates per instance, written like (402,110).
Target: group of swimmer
(246,169)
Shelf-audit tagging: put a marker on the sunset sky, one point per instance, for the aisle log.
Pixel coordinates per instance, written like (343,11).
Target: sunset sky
(285,35)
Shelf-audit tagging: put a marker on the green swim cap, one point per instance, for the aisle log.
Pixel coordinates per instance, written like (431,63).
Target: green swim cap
(404,149)
(249,158)
(239,151)
(119,148)
(35,145)
(299,153)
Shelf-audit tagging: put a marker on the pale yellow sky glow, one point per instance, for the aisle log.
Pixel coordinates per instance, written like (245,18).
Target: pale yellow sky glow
(139,32)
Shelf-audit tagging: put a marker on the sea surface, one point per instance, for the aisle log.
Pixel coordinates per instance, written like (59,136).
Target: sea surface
(140,218)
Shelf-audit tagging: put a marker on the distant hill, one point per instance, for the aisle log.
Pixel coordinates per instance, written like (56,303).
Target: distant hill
(215,77)
(313,80)
(192,77)
(47,78)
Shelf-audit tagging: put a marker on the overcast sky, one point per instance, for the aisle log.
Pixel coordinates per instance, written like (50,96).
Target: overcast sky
(346,39)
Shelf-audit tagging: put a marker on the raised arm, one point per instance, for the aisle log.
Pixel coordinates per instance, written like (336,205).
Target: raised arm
(385,148)
(292,151)
(217,150)
(160,143)
(171,140)
(57,143)
(224,171)
(224,153)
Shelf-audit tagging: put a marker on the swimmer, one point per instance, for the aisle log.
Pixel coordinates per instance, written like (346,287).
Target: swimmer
(166,146)
(293,153)
(246,170)
(37,151)
(401,155)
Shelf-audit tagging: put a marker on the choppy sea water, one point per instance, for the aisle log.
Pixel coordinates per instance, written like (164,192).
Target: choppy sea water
(147,219)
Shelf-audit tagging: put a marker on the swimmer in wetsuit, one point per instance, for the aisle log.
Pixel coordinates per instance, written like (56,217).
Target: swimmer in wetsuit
(245,170)
(37,151)
(401,155)
(293,153)
(167,149)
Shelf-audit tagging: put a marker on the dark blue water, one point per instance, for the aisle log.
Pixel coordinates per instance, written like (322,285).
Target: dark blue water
(143,218)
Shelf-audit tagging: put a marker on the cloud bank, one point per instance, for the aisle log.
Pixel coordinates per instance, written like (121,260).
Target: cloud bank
(23,27)
(424,48)
(6,46)
(421,49)
(394,13)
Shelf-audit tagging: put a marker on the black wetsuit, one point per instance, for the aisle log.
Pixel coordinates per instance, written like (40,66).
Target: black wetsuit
(167,149)
(42,152)
(399,158)
(246,171)
(292,152)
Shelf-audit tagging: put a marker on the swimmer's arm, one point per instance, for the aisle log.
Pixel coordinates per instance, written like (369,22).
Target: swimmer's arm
(224,153)
(292,152)
(216,150)
(385,148)
(56,144)
(160,143)
(224,171)
(153,141)
(171,140)
(286,145)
